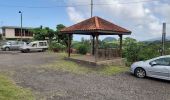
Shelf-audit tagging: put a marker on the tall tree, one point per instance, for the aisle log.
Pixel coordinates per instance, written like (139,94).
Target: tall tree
(62,38)
(43,33)
(50,34)
(59,35)
(0,36)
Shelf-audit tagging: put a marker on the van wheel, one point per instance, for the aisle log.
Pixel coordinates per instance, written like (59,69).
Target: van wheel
(43,50)
(140,72)
(7,49)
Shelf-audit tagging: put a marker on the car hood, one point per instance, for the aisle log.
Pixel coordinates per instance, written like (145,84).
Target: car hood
(138,63)
(24,46)
(5,45)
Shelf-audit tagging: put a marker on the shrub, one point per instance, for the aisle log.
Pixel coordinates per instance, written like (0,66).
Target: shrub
(57,46)
(136,51)
(131,50)
(82,49)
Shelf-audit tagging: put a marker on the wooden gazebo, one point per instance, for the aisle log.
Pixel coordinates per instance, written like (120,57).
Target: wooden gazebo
(95,26)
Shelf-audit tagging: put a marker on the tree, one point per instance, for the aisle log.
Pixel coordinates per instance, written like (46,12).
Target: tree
(50,34)
(131,49)
(61,38)
(43,33)
(58,34)
(136,51)
(0,36)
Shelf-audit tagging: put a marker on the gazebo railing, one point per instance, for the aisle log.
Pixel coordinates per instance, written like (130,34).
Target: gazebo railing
(108,53)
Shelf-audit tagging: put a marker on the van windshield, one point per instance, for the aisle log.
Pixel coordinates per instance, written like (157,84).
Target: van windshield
(30,44)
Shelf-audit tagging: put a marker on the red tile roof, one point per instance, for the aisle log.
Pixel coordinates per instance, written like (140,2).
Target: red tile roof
(95,24)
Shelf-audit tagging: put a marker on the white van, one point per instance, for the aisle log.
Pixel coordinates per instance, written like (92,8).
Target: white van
(34,46)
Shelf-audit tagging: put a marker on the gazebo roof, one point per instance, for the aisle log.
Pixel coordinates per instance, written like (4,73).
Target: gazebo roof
(95,25)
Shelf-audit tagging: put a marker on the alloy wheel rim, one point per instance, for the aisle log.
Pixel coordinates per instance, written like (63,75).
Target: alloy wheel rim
(140,73)
(7,49)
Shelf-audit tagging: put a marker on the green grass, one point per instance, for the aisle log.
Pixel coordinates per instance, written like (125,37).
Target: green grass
(111,70)
(69,66)
(10,91)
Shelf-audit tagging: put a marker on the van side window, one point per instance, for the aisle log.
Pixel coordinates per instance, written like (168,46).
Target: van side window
(42,44)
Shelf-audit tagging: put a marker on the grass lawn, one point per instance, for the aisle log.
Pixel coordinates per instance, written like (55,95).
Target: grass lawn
(73,67)
(10,91)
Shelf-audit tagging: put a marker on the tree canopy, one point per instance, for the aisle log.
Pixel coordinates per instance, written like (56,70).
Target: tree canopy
(49,34)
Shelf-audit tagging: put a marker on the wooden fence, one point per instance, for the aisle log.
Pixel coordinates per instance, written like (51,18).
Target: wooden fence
(108,53)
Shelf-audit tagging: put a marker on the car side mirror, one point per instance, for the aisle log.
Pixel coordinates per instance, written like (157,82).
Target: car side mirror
(153,63)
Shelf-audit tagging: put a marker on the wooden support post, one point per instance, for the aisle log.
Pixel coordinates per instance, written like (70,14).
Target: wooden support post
(120,46)
(69,44)
(96,50)
(93,43)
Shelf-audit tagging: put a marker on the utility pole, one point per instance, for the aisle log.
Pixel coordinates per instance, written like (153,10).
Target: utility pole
(21,24)
(1,31)
(91,37)
(1,27)
(163,38)
(91,8)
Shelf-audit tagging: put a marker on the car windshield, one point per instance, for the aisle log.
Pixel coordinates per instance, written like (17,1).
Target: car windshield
(7,43)
(20,42)
(30,44)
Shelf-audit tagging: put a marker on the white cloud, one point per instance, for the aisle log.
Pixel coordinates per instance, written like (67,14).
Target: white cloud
(74,15)
(143,19)
(163,10)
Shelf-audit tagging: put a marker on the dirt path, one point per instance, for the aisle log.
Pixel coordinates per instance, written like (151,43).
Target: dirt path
(56,85)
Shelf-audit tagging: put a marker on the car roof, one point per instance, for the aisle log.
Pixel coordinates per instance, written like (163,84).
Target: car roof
(160,57)
(164,56)
(11,41)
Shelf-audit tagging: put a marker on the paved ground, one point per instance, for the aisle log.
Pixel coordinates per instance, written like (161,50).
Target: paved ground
(55,85)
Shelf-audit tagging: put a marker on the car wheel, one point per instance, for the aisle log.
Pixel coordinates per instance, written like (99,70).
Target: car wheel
(140,72)
(27,50)
(7,49)
(22,51)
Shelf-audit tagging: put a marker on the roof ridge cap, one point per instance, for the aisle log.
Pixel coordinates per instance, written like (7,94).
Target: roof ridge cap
(97,22)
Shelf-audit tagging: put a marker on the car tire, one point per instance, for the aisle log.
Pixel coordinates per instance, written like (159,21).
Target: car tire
(140,72)
(27,50)
(22,51)
(7,49)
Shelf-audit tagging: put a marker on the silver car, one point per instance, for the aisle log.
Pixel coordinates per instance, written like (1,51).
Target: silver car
(12,45)
(158,67)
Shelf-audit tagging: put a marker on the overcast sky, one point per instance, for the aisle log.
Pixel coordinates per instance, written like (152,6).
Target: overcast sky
(143,17)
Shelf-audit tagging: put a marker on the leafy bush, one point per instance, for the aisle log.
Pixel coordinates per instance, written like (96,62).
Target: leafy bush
(131,49)
(82,49)
(149,51)
(113,44)
(58,46)
(136,51)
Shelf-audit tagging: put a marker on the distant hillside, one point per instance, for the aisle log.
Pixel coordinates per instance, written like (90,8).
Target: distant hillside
(109,39)
(158,39)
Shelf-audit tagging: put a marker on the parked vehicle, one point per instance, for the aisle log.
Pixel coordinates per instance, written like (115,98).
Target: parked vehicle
(34,46)
(12,45)
(158,67)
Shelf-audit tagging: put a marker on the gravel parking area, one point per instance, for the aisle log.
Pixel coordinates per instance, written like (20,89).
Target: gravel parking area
(27,71)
